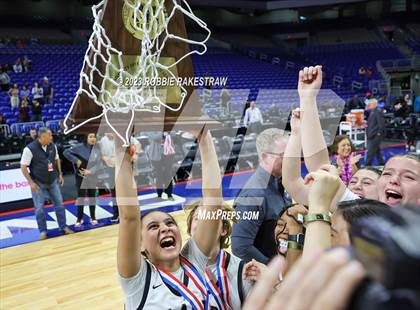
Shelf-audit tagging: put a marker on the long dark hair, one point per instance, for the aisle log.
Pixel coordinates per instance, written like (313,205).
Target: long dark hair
(86,136)
(355,209)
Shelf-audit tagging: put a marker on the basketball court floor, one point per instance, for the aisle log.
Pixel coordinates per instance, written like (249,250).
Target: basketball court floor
(79,271)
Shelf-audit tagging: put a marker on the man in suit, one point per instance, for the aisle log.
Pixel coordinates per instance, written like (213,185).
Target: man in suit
(264,194)
(375,132)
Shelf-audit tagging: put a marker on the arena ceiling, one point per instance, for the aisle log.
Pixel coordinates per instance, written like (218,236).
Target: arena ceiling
(264,5)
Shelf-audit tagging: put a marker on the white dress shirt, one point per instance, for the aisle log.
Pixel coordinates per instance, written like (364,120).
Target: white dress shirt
(252,115)
(27,155)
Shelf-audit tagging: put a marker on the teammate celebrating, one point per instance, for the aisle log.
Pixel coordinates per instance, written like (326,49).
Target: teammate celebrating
(154,271)
(222,265)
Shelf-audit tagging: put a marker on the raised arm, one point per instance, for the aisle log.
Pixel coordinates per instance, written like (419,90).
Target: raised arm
(314,147)
(291,167)
(324,186)
(129,232)
(205,235)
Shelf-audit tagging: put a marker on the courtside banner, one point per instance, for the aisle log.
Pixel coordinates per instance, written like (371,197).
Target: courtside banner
(13,186)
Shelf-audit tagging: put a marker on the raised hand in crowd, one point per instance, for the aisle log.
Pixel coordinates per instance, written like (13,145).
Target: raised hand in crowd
(310,81)
(314,147)
(324,186)
(355,159)
(253,270)
(335,275)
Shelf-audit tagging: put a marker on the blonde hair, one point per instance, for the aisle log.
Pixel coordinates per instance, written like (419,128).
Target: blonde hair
(227,225)
(266,140)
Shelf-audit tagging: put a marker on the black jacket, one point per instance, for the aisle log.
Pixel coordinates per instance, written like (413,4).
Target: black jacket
(375,124)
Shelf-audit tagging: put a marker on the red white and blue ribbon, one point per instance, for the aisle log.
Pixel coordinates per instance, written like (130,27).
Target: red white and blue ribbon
(214,291)
(194,275)
(222,278)
(176,284)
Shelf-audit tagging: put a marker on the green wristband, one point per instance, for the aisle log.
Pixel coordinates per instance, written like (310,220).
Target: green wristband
(294,245)
(317,217)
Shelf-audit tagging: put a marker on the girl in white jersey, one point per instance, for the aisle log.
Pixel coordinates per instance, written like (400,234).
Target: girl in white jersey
(164,276)
(222,265)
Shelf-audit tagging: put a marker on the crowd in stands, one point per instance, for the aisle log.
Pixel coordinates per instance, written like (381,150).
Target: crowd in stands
(28,102)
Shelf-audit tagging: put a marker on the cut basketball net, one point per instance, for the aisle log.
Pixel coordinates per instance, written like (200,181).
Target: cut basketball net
(150,19)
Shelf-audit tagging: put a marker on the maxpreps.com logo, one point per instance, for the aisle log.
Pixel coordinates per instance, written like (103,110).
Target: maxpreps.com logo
(135,21)
(227,215)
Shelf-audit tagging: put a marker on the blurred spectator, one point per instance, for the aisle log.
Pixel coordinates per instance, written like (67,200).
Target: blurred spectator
(24,92)
(206,77)
(369,72)
(48,91)
(342,157)
(362,71)
(2,119)
(14,96)
(409,103)
(412,132)
(37,92)
(86,160)
(354,103)
(19,43)
(36,111)
(24,111)
(4,79)
(253,118)
(17,67)
(382,103)
(274,110)
(7,67)
(225,101)
(32,136)
(417,104)
(27,64)
(400,109)
(161,153)
(375,133)
(107,147)
(246,107)
(263,193)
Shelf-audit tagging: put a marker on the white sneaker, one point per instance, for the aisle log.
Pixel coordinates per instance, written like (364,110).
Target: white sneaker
(78,224)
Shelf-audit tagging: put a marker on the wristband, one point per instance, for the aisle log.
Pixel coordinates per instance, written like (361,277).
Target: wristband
(315,217)
(299,239)
(294,245)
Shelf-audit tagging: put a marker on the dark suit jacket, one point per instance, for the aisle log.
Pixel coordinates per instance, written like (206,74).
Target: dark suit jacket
(375,124)
(263,193)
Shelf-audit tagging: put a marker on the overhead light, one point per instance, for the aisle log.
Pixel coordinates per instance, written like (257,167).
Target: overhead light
(301,17)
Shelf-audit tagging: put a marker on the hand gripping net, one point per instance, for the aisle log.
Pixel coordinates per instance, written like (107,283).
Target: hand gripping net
(155,34)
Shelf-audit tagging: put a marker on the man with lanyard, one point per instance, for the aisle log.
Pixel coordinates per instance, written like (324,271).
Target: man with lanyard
(44,176)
